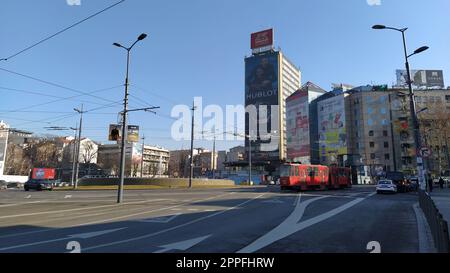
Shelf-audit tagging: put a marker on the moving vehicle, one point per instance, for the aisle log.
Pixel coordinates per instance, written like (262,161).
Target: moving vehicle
(398,178)
(38,184)
(308,177)
(386,185)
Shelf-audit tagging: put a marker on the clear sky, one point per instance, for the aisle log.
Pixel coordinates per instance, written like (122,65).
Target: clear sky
(197,48)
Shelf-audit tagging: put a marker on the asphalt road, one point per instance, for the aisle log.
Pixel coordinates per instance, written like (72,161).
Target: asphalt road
(243,220)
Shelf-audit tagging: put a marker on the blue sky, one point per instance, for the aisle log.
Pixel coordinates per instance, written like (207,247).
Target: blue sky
(197,48)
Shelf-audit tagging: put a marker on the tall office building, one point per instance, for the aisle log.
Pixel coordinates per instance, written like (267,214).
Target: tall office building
(269,79)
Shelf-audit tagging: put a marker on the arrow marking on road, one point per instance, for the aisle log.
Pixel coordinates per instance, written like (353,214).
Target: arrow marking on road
(162,219)
(28,197)
(67,196)
(291,225)
(182,246)
(75,236)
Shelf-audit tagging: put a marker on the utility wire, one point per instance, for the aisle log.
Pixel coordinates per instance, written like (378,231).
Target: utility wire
(54,84)
(61,31)
(59,100)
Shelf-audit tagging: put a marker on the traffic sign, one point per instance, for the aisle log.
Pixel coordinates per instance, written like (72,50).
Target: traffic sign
(425,152)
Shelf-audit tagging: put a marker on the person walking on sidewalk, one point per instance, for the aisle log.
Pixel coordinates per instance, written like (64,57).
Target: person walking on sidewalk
(430,183)
(441,182)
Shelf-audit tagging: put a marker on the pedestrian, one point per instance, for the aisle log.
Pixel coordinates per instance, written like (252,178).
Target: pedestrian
(441,182)
(430,183)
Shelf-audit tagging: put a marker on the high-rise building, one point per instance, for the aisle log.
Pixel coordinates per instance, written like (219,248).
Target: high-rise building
(269,79)
(300,125)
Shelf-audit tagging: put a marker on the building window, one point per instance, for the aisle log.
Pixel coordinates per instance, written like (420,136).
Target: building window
(447,98)
(387,157)
(370,122)
(385,133)
(372,144)
(386,144)
(383,111)
(373,156)
(371,133)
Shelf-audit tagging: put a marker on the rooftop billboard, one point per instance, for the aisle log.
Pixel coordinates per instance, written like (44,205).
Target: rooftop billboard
(262,39)
(422,79)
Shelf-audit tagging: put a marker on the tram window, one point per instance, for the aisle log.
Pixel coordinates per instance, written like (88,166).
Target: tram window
(296,171)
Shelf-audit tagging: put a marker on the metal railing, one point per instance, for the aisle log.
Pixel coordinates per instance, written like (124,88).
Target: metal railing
(438,226)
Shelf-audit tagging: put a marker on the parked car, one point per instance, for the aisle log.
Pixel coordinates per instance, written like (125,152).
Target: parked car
(385,185)
(3,185)
(38,184)
(15,185)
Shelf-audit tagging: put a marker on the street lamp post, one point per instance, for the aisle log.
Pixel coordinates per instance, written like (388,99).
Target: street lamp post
(124,119)
(412,102)
(77,153)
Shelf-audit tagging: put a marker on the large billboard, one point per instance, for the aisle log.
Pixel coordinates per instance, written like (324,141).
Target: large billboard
(332,129)
(262,39)
(422,79)
(297,128)
(42,173)
(261,91)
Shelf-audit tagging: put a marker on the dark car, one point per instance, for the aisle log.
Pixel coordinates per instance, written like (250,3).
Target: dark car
(399,180)
(3,185)
(39,185)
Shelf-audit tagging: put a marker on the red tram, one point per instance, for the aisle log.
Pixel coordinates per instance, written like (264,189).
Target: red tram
(309,177)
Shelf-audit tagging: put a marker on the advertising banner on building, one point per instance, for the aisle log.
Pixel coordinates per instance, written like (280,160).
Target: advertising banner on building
(261,92)
(332,129)
(297,128)
(133,133)
(42,173)
(262,39)
(422,79)
(115,132)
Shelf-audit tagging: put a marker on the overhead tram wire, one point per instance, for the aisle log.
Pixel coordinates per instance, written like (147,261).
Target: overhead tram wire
(62,99)
(61,31)
(62,117)
(54,84)
(42,94)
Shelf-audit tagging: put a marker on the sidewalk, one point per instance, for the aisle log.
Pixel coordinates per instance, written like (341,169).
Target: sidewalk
(441,198)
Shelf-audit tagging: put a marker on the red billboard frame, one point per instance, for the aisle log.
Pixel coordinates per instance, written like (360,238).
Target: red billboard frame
(262,39)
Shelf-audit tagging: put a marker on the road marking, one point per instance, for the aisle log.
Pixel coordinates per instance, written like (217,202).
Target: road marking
(75,236)
(162,219)
(182,246)
(67,196)
(193,209)
(150,211)
(77,209)
(290,225)
(20,204)
(426,242)
(103,221)
(172,228)
(273,201)
(28,197)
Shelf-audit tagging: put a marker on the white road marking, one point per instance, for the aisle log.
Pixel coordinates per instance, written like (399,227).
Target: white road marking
(161,219)
(273,201)
(28,197)
(290,225)
(426,242)
(75,236)
(20,204)
(107,220)
(182,246)
(67,196)
(77,209)
(172,228)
